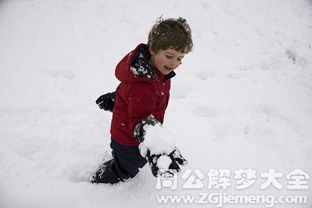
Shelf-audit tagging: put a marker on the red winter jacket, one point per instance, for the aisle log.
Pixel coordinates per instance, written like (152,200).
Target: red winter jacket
(143,91)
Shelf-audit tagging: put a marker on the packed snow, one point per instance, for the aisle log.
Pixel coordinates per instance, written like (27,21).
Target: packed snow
(158,140)
(164,162)
(241,100)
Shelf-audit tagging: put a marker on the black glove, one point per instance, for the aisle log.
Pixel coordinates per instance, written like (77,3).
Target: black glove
(176,160)
(139,131)
(106,101)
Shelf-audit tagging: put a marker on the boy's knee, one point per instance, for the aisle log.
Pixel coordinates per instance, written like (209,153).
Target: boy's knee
(128,159)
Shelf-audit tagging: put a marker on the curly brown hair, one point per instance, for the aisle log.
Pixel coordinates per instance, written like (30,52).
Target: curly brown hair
(170,33)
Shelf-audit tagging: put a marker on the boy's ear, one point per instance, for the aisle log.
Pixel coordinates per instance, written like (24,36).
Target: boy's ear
(151,51)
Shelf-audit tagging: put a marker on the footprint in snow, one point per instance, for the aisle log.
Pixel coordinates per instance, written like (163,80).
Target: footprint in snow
(59,73)
(205,74)
(206,111)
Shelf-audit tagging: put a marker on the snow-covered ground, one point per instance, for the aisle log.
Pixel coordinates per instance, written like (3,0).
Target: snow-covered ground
(241,100)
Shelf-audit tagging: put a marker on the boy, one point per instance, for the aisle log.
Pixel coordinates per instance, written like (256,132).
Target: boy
(140,101)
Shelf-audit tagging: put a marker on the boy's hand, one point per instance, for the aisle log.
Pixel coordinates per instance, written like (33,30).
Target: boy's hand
(166,164)
(140,128)
(106,101)
(156,145)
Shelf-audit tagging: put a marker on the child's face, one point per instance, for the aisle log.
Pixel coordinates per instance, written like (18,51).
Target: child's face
(166,60)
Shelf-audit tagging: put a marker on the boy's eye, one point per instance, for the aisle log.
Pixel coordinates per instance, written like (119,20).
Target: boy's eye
(169,57)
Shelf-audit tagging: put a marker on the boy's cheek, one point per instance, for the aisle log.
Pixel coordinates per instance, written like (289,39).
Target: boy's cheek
(161,62)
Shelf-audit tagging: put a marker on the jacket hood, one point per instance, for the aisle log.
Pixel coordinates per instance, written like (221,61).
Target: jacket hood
(135,67)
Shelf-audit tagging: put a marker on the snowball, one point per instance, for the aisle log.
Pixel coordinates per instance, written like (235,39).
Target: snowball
(164,162)
(158,140)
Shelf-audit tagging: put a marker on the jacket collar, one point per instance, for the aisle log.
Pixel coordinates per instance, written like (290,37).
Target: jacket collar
(170,75)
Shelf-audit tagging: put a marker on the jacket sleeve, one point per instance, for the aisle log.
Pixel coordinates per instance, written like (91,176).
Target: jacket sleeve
(141,103)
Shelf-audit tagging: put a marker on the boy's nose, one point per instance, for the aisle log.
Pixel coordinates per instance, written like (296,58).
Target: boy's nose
(174,64)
